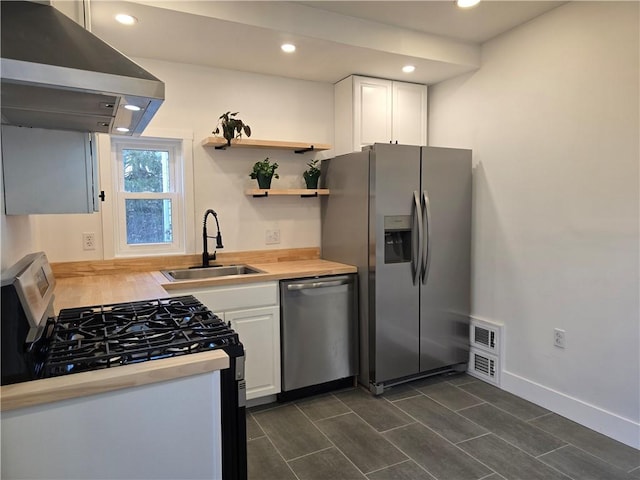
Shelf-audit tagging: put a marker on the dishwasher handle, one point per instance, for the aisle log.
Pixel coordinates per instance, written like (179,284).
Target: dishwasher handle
(319,284)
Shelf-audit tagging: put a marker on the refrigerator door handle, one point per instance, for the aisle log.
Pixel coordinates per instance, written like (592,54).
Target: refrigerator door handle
(417,256)
(426,260)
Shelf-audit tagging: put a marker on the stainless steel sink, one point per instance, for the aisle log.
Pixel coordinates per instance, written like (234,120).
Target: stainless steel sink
(209,272)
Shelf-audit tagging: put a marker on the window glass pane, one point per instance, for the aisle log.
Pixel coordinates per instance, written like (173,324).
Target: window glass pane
(148,221)
(146,170)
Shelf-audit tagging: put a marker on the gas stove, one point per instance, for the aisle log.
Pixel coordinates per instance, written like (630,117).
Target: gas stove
(36,344)
(105,336)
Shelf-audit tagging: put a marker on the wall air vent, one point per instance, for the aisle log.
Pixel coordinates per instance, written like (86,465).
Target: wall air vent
(486,340)
(484,366)
(486,335)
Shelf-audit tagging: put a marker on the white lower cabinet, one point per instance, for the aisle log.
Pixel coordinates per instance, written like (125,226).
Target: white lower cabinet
(259,330)
(253,310)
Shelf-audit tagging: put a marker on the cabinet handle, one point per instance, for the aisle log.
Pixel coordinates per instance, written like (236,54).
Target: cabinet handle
(102,195)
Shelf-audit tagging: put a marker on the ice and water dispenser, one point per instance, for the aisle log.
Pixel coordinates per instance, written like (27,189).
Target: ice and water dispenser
(397,238)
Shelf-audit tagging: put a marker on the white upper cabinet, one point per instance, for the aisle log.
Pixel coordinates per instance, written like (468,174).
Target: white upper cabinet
(370,110)
(409,125)
(48,171)
(373,111)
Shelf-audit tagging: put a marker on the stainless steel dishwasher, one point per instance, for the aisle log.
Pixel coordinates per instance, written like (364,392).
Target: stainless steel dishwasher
(319,336)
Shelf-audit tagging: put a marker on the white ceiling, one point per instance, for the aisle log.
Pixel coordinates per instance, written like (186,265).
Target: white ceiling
(476,25)
(334,38)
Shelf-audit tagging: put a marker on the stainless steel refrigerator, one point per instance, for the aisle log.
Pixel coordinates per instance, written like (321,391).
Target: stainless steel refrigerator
(402,215)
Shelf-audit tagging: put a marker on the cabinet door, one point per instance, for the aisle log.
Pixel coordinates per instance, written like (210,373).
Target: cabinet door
(47,171)
(372,111)
(259,331)
(409,113)
(235,297)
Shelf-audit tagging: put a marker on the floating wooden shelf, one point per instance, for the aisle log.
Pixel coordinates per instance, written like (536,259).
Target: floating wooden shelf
(297,147)
(302,192)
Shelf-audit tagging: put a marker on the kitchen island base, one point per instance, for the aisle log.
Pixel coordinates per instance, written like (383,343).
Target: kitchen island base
(164,430)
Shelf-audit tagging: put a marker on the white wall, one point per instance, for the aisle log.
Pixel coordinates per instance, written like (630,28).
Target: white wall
(552,118)
(276,108)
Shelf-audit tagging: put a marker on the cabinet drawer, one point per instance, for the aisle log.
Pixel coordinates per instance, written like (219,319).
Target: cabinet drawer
(235,297)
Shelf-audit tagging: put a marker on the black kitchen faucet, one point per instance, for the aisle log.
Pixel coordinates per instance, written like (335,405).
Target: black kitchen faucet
(205,253)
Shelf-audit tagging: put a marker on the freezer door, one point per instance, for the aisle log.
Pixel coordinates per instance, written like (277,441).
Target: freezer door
(445,281)
(393,237)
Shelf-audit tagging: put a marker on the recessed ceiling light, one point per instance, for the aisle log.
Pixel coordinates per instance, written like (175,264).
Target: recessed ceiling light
(467,3)
(122,129)
(133,108)
(288,47)
(125,19)
(408,68)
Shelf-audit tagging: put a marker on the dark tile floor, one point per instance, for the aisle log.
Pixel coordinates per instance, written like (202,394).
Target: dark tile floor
(447,428)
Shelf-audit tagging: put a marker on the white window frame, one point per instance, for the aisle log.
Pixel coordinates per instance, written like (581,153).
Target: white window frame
(119,247)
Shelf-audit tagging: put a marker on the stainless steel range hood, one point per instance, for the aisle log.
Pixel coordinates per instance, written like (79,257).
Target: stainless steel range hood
(55,74)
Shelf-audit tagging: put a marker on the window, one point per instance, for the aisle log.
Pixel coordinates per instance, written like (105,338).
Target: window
(149,205)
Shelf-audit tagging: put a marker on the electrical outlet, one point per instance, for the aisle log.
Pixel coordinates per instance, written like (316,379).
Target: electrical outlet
(559,337)
(272,237)
(89,241)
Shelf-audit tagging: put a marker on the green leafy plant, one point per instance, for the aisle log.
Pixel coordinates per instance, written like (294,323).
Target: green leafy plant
(231,127)
(313,169)
(264,171)
(312,174)
(264,167)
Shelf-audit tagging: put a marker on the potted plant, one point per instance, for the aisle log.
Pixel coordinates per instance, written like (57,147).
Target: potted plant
(264,171)
(312,174)
(231,127)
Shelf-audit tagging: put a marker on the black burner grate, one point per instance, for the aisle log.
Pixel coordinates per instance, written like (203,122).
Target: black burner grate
(91,338)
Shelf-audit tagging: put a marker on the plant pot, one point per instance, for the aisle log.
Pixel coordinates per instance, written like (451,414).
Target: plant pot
(311,180)
(264,181)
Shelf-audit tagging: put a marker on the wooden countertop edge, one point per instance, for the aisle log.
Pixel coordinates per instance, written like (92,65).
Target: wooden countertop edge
(49,390)
(273,271)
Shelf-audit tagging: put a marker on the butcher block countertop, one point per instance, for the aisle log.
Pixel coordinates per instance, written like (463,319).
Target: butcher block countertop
(87,289)
(105,289)
(37,392)
(124,287)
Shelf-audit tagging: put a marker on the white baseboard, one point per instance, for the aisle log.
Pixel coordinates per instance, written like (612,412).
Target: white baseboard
(595,418)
